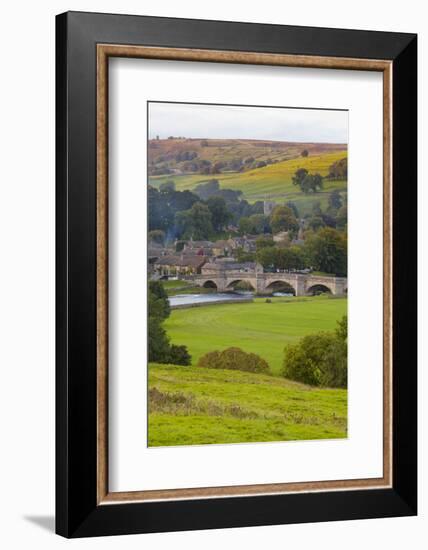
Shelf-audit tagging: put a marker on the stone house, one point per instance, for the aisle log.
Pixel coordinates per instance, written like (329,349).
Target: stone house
(173,266)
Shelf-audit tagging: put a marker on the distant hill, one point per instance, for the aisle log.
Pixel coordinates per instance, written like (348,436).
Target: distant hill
(271,182)
(223,150)
(180,155)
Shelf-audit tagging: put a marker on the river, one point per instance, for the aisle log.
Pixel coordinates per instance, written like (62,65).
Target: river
(181,300)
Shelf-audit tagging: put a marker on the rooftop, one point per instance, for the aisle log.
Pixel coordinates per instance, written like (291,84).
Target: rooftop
(182,261)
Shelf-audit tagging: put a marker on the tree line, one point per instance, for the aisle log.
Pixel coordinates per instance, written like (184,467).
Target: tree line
(160,348)
(324,250)
(198,214)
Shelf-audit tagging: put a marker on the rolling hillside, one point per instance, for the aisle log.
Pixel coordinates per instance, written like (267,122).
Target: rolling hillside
(197,406)
(272,182)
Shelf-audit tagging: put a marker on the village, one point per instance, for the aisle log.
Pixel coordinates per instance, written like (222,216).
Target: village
(184,258)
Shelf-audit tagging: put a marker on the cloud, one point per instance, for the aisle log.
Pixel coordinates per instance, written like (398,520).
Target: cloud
(242,122)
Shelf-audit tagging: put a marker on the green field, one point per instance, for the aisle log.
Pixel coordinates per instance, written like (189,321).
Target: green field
(273,182)
(258,327)
(196,406)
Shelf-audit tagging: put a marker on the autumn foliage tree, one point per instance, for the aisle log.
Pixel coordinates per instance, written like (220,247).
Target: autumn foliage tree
(283,219)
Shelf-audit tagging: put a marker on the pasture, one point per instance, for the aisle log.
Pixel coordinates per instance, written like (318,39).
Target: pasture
(197,406)
(258,327)
(273,182)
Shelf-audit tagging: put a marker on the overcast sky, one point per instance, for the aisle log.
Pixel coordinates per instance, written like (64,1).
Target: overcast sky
(231,122)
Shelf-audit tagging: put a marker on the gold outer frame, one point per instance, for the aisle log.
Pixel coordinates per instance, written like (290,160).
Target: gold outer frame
(104,52)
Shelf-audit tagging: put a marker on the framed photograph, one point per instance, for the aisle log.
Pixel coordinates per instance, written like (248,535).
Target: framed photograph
(236,274)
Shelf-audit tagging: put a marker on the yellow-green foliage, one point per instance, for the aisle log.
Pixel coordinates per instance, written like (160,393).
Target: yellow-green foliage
(273,181)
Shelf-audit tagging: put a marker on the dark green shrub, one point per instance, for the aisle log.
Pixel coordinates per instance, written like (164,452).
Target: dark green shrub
(234,359)
(178,355)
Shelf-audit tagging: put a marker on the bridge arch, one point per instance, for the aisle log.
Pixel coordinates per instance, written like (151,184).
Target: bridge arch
(244,283)
(319,288)
(210,284)
(281,286)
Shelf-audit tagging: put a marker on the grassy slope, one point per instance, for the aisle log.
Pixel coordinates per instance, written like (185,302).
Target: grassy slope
(257,327)
(242,407)
(273,182)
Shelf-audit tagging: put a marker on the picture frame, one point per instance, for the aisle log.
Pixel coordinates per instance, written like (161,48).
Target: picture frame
(84,44)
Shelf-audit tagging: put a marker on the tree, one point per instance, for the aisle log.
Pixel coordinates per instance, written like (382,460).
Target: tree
(312,183)
(316,222)
(162,207)
(216,169)
(316,208)
(158,341)
(292,257)
(263,242)
(159,310)
(158,301)
(195,223)
(339,169)
(157,236)
(327,251)
(167,186)
(159,214)
(304,153)
(160,350)
(293,207)
(259,224)
(342,217)
(342,329)
(245,225)
(256,224)
(283,219)
(299,176)
(243,256)
(268,257)
(318,359)
(207,189)
(307,182)
(179,355)
(220,215)
(335,200)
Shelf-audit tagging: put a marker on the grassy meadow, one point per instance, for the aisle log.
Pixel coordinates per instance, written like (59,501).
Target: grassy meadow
(273,181)
(197,406)
(190,405)
(258,327)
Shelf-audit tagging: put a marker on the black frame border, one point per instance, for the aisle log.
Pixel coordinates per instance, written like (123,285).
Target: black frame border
(77,512)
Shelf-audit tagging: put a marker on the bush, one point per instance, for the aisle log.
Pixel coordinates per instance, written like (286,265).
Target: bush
(319,359)
(178,355)
(234,359)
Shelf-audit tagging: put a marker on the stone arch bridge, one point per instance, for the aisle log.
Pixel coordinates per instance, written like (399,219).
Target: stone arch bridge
(266,283)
